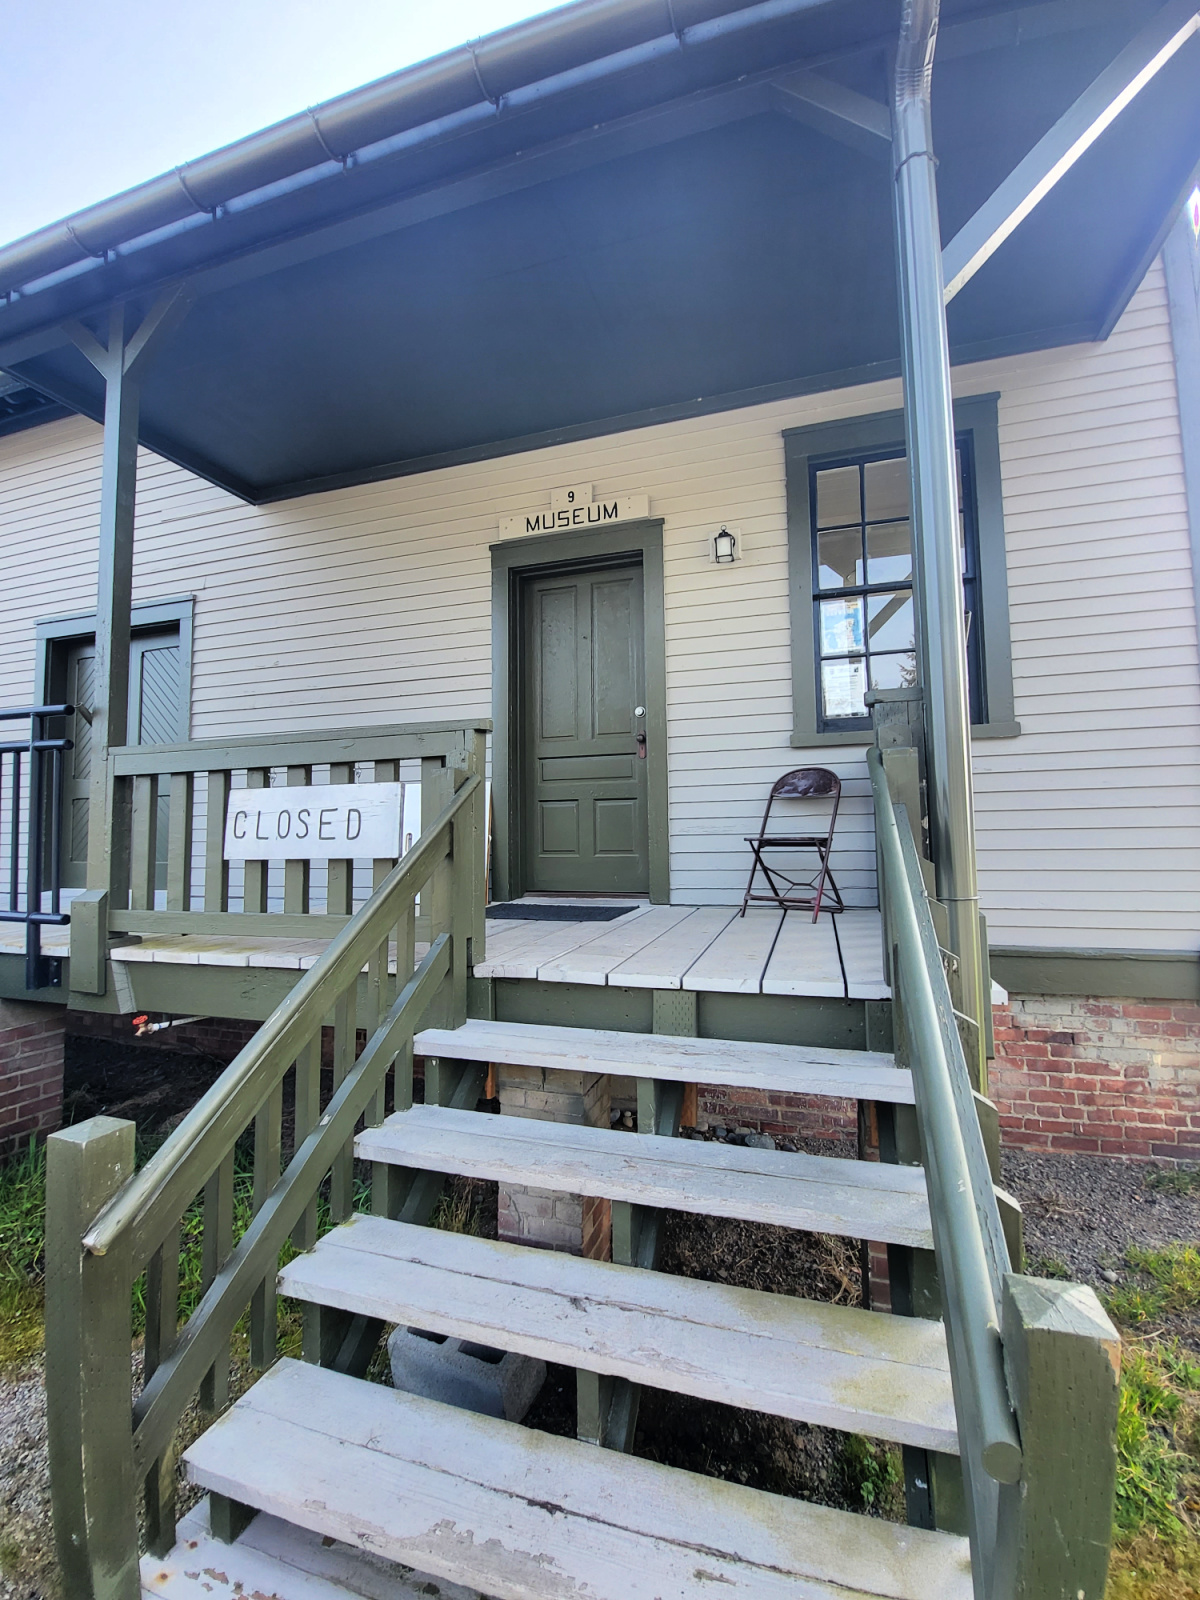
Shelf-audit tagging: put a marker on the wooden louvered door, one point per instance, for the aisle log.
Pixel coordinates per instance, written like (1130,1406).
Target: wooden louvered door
(157,715)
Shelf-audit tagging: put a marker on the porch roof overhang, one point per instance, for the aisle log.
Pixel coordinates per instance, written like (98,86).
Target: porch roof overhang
(622,212)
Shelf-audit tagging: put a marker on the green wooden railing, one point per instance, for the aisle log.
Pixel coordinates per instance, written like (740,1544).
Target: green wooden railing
(185,788)
(1034,1364)
(107,1225)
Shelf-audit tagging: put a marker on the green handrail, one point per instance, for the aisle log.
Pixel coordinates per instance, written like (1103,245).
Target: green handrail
(958,1200)
(152,1202)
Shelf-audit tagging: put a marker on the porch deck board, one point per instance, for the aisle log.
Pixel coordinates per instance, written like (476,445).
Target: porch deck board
(662,963)
(698,948)
(735,961)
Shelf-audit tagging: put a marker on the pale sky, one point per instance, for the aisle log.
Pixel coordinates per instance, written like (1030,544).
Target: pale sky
(101,94)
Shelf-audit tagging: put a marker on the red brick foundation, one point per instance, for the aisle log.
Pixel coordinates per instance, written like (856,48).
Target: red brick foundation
(1104,1077)
(31,1071)
(763,1111)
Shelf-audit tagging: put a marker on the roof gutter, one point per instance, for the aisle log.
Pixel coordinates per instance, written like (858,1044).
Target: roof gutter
(506,72)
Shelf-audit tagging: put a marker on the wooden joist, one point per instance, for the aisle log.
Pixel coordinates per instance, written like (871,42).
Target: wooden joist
(820,1194)
(776,1068)
(835,1365)
(524,1515)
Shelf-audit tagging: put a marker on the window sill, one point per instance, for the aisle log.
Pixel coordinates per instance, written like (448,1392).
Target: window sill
(865,736)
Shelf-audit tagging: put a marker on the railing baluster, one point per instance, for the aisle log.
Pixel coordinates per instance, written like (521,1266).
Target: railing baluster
(308,1111)
(341,1191)
(406,960)
(339,890)
(255,872)
(216,1245)
(268,1143)
(14,844)
(162,1326)
(143,847)
(296,873)
(216,868)
(179,841)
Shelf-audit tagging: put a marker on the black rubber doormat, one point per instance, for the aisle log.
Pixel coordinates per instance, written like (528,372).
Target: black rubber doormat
(522,911)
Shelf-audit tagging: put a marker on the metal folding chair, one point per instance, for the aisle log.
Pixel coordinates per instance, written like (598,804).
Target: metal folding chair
(787,891)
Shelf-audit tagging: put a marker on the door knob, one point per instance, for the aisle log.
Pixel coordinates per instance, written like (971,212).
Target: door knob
(641,746)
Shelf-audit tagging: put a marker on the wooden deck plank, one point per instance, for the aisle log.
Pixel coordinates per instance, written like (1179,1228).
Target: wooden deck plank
(556,939)
(662,963)
(805,958)
(277,1560)
(524,1515)
(735,960)
(862,949)
(591,962)
(818,1194)
(776,1068)
(859,1371)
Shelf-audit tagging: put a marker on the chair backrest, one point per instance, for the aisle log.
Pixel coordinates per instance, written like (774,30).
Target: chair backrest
(805,783)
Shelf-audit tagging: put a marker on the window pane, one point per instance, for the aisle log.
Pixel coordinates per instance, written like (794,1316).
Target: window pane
(839,557)
(889,553)
(890,621)
(837,497)
(841,626)
(894,672)
(843,684)
(885,485)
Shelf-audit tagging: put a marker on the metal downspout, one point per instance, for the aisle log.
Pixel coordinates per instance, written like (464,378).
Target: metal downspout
(929,425)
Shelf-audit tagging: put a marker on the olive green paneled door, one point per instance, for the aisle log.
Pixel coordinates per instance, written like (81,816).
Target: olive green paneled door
(583,688)
(157,715)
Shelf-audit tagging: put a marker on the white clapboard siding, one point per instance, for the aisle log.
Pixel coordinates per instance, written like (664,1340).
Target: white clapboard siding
(524,1515)
(373,604)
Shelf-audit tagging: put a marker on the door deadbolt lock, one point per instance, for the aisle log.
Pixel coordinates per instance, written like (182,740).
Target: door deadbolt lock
(639,711)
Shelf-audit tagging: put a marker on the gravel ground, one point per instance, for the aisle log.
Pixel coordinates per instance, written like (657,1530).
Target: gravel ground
(1084,1211)
(28,1570)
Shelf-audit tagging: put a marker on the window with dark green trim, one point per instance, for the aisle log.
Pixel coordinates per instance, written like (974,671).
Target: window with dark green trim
(853,611)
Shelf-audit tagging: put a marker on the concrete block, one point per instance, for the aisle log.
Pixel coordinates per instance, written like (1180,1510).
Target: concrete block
(473,1377)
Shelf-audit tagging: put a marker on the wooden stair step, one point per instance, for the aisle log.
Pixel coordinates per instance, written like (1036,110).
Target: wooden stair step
(274,1560)
(862,1372)
(777,1068)
(524,1515)
(818,1194)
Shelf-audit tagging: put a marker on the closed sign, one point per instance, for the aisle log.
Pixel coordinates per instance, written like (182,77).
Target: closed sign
(328,822)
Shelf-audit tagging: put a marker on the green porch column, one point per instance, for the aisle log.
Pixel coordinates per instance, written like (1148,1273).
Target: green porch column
(121,363)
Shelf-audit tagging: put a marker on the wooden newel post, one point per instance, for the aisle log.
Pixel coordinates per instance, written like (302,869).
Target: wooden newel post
(1063,1359)
(88,1344)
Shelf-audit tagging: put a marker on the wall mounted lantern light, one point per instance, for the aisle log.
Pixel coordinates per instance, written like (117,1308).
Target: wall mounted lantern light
(724,547)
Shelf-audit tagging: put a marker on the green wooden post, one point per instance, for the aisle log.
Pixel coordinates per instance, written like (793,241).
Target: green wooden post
(296,874)
(216,1243)
(88,1341)
(1063,1359)
(179,841)
(254,873)
(339,879)
(216,868)
(162,1327)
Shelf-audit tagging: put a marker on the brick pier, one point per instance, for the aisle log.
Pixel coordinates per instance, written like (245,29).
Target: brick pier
(31,1071)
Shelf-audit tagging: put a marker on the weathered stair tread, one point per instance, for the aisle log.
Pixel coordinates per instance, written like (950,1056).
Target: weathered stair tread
(779,1068)
(524,1515)
(834,1365)
(819,1194)
(276,1560)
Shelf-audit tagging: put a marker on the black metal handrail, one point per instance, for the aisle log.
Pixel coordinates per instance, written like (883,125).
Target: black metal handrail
(42,833)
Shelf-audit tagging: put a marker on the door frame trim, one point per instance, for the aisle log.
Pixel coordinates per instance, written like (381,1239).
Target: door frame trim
(513,560)
(53,633)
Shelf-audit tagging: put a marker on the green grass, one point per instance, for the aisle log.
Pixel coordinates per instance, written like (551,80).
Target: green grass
(1048,1267)
(22,1240)
(1173,1180)
(1168,1283)
(1156,1553)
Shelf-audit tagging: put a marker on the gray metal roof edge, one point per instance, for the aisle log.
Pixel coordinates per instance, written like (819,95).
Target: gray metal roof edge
(472,81)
